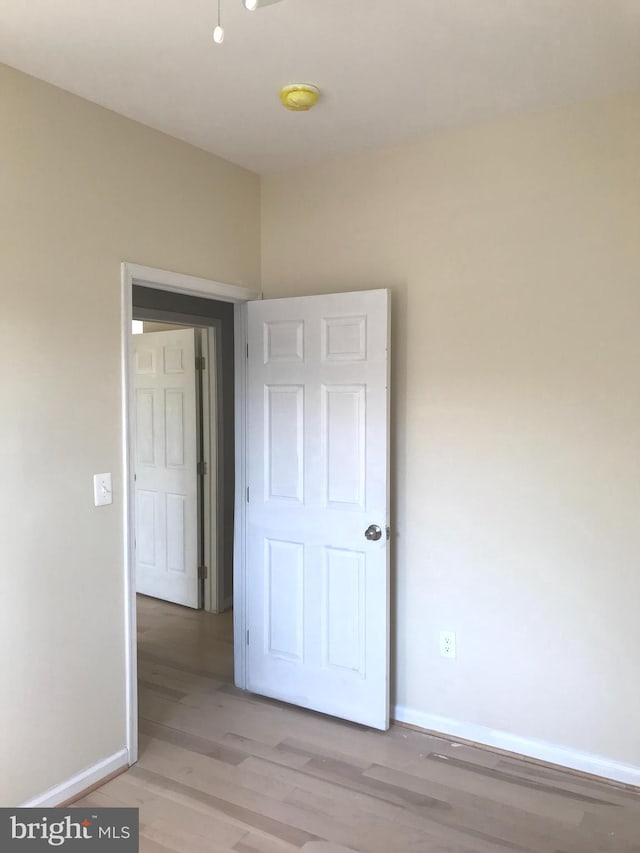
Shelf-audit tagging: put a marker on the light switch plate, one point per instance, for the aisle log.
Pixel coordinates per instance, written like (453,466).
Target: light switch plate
(102,494)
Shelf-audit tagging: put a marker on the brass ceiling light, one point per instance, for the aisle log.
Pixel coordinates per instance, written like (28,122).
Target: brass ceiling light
(299,97)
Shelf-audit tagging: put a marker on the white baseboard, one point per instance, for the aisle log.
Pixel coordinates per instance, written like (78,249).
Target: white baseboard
(80,782)
(563,756)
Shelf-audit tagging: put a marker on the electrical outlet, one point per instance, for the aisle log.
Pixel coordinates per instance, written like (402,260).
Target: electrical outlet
(448,644)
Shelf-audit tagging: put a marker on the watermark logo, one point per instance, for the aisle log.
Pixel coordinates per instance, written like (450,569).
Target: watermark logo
(34,830)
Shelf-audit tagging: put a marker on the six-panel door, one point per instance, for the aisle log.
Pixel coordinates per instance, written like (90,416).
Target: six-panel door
(318,589)
(166,499)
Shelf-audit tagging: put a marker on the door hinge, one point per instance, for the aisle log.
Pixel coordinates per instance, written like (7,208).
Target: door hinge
(247,494)
(200,362)
(203,573)
(247,636)
(202,468)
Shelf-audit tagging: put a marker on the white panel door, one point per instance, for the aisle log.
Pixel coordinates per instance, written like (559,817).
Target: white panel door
(318,588)
(166,457)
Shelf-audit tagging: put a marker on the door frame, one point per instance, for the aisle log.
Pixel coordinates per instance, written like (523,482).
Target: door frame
(158,279)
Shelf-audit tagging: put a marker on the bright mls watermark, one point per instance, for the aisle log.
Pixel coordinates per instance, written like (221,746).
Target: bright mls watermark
(33,830)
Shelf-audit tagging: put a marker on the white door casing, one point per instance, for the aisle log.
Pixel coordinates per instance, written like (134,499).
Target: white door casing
(317,460)
(165,458)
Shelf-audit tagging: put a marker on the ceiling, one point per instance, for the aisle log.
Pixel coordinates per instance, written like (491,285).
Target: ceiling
(389,70)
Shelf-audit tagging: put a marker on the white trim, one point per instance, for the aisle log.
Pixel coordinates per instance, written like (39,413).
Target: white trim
(240,614)
(189,284)
(192,286)
(128,489)
(562,756)
(65,791)
(211,503)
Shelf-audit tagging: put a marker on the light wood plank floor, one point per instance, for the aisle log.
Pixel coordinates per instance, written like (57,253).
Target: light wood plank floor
(220,770)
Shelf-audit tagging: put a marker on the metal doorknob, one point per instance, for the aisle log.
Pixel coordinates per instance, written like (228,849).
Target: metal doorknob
(373,533)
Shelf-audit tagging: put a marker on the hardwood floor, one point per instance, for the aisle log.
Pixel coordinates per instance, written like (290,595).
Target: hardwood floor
(221,770)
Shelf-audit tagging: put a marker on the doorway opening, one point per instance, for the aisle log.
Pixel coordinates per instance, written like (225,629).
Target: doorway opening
(183,452)
(180,373)
(182,376)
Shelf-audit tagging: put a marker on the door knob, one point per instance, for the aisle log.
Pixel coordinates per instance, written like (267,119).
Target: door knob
(373,533)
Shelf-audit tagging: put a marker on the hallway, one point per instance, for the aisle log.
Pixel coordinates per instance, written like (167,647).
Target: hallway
(221,770)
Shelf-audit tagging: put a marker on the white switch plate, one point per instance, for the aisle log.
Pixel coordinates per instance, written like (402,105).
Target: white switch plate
(102,494)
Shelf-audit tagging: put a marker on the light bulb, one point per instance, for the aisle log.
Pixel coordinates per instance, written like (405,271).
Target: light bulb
(218,35)
(252,5)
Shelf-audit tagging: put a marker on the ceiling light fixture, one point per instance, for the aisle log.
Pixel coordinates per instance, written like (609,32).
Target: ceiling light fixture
(299,97)
(218,33)
(252,5)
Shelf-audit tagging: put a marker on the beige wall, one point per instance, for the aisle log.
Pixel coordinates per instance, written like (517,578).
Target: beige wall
(513,254)
(81,189)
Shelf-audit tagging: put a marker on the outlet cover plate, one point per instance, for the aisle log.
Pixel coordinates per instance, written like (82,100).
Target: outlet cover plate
(448,644)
